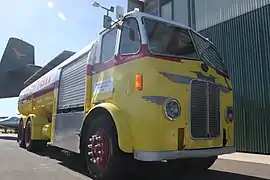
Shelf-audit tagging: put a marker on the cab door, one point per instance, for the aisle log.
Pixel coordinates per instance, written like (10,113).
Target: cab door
(103,71)
(92,60)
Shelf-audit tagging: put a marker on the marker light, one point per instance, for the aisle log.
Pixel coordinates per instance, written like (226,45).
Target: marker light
(139,82)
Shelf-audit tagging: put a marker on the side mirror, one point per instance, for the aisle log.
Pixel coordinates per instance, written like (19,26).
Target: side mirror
(131,34)
(107,22)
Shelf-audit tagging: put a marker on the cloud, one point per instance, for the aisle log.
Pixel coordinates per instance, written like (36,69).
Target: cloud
(50,4)
(61,16)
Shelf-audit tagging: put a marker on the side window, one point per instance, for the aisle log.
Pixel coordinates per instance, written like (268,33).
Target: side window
(93,54)
(108,45)
(130,37)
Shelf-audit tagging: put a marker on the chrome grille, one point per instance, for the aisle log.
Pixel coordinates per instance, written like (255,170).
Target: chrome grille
(205,114)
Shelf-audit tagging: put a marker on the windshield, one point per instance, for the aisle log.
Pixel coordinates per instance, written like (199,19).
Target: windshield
(165,39)
(171,40)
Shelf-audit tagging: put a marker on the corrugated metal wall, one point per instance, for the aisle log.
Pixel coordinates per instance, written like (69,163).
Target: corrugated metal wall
(181,11)
(211,12)
(244,42)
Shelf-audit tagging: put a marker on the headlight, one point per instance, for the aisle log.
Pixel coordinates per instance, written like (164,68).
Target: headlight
(172,109)
(229,114)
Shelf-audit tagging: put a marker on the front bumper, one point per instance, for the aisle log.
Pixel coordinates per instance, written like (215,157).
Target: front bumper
(167,155)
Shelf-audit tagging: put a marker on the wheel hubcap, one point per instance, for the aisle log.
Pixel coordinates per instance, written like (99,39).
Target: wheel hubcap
(98,149)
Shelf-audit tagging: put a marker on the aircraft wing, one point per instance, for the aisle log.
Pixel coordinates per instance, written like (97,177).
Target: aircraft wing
(29,70)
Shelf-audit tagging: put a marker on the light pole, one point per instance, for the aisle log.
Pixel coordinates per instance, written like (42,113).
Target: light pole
(96,4)
(107,20)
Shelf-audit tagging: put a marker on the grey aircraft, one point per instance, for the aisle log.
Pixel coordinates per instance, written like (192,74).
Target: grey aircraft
(10,123)
(16,66)
(18,69)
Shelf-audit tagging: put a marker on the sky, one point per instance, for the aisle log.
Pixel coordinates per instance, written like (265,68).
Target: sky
(51,26)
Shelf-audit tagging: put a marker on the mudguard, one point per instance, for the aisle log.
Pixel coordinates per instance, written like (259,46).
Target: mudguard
(37,124)
(121,122)
(24,120)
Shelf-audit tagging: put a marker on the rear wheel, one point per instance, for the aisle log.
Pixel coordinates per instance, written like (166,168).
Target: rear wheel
(32,145)
(20,136)
(103,157)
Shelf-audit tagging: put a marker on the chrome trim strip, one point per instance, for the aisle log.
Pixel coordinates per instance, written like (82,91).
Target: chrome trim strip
(195,153)
(158,100)
(176,78)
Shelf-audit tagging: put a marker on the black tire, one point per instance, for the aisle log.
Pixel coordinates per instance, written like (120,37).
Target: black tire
(32,145)
(203,164)
(20,136)
(208,162)
(114,163)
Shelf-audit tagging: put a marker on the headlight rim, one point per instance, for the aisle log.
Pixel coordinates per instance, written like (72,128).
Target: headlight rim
(165,109)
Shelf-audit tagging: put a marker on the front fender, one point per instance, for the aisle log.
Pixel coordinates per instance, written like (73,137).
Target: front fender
(121,122)
(23,119)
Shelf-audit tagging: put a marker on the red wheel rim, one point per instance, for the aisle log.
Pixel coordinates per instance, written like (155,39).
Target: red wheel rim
(99,149)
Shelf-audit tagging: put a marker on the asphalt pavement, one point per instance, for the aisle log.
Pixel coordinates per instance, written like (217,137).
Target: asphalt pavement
(54,164)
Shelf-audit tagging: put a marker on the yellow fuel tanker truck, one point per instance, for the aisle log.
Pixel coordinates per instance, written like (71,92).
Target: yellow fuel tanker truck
(147,87)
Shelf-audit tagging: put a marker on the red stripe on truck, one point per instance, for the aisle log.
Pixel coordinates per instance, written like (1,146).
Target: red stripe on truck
(100,67)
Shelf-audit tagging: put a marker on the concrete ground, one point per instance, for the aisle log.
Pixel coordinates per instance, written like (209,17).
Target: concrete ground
(17,163)
(246,157)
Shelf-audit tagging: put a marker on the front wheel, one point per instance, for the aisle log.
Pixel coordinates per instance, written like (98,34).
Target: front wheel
(103,157)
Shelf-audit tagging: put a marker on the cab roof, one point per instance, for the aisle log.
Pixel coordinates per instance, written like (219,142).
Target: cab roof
(139,14)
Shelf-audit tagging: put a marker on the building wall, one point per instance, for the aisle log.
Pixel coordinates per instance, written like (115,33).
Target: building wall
(131,5)
(200,14)
(244,43)
(178,10)
(152,6)
(181,11)
(211,12)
